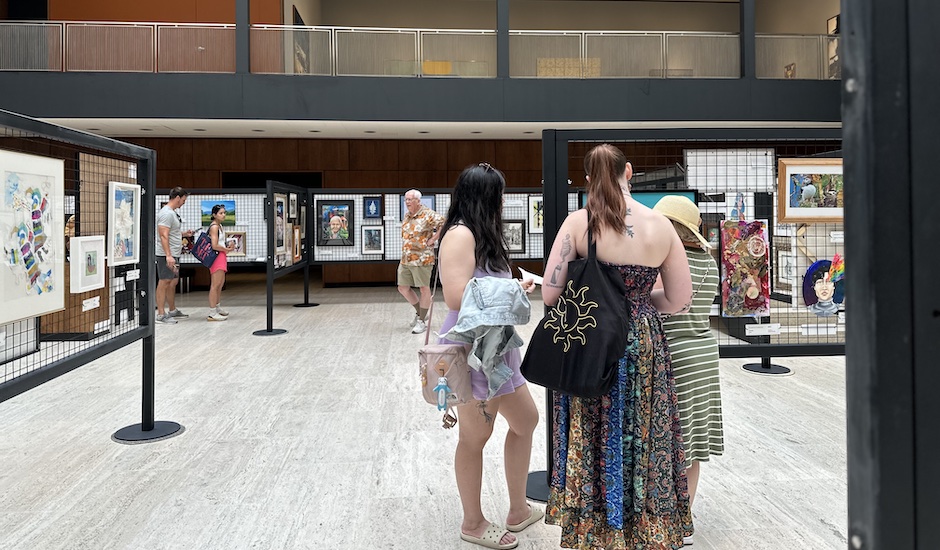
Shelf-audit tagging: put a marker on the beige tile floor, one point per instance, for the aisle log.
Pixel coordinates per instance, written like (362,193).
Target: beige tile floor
(318,439)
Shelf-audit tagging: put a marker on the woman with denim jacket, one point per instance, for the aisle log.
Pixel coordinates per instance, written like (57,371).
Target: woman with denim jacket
(473,246)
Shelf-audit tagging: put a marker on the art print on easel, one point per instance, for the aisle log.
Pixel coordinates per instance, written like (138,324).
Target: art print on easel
(87,264)
(32,231)
(123,223)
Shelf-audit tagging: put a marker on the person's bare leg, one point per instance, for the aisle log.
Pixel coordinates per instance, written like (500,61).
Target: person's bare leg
(171,294)
(408,294)
(692,473)
(475,430)
(160,295)
(519,410)
(217,280)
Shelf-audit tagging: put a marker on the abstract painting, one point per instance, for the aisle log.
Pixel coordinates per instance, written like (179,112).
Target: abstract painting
(745,274)
(123,223)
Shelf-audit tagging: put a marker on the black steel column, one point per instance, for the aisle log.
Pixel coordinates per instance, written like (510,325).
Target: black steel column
(891,445)
(502,38)
(242,36)
(748,39)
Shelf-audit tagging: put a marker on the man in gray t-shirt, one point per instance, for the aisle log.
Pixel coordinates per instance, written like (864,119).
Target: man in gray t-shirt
(169,247)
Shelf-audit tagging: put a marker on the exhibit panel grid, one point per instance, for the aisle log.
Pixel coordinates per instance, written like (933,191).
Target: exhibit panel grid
(73,217)
(245,222)
(772,212)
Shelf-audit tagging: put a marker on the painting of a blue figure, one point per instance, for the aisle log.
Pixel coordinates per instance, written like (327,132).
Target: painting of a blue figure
(740,209)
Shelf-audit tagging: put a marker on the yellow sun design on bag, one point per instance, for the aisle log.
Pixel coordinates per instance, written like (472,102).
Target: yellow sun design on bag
(579,309)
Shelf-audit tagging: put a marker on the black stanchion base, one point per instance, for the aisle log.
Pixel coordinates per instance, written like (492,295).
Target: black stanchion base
(272,332)
(769,368)
(136,434)
(536,487)
(306,304)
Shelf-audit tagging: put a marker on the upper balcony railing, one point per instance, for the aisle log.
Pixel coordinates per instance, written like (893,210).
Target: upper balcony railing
(364,51)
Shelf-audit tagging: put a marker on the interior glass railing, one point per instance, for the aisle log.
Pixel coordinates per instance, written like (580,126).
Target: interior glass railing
(393,52)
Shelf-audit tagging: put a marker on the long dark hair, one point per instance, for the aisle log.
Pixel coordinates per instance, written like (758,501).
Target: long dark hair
(606,204)
(477,202)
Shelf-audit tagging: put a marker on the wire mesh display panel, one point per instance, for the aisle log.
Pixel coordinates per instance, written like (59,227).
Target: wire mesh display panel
(245,221)
(772,211)
(72,216)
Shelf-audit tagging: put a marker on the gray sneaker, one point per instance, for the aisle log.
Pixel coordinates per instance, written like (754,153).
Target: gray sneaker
(165,319)
(177,314)
(413,321)
(419,327)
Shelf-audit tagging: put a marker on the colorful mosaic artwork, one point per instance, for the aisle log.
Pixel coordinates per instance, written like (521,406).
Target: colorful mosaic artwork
(745,277)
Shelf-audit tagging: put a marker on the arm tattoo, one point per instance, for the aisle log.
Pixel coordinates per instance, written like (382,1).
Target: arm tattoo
(629,227)
(565,250)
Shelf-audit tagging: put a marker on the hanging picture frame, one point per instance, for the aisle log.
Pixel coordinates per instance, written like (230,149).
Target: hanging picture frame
(87,264)
(296,244)
(809,190)
(123,223)
(292,211)
(373,239)
(205,211)
(745,281)
(32,228)
(372,208)
(536,217)
(335,224)
(239,239)
(514,235)
(280,223)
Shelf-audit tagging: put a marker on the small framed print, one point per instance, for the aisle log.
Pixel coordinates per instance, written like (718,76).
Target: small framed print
(238,239)
(296,242)
(372,208)
(373,239)
(292,210)
(87,267)
(280,223)
(514,235)
(536,219)
(809,190)
(124,223)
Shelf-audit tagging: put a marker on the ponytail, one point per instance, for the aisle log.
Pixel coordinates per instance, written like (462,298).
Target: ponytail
(606,205)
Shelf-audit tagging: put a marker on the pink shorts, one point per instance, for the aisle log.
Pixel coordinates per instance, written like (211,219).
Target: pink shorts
(220,263)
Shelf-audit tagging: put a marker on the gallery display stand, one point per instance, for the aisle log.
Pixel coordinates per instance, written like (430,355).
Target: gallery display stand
(148,430)
(306,302)
(766,367)
(537,484)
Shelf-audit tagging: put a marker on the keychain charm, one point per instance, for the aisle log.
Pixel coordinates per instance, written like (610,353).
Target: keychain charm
(442,390)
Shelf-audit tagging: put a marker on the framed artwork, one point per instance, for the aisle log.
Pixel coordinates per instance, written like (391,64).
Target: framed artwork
(373,239)
(784,265)
(280,221)
(239,239)
(426,200)
(745,281)
(809,190)
(297,244)
(824,287)
(372,207)
(123,223)
(87,264)
(292,211)
(303,220)
(205,208)
(789,71)
(514,235)
(335,225)
(536,219)
(32,231)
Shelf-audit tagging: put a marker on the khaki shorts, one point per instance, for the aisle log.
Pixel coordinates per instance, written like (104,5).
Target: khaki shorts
(414,275)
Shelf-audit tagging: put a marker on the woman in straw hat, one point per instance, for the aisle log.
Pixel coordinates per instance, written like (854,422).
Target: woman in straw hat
(693,348)
(618,473)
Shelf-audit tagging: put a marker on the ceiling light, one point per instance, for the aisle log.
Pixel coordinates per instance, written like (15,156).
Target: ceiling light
(199,129)
(476,132)
(423,132)
(146,129)
(256,130)
(370,131)
(314,131)
(528,132)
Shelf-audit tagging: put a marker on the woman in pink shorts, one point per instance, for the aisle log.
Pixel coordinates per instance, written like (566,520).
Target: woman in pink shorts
(219,266)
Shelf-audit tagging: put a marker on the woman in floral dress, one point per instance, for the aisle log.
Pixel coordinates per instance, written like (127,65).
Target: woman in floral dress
(618,476)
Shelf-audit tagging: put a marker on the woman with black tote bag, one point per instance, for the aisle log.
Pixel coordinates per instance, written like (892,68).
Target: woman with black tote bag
(618,478)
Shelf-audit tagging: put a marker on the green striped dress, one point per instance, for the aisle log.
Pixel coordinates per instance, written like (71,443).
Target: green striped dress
(695,363)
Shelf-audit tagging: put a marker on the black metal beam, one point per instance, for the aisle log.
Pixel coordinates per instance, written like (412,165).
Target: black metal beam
(748,39)
(242,36)
(502,38)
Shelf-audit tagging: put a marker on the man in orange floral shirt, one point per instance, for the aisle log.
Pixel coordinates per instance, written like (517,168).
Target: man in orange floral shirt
(419,232)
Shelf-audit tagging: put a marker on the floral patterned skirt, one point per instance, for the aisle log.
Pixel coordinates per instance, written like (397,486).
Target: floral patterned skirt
(618,478)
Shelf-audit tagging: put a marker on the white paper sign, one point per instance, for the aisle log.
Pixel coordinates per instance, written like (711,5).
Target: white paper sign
(326,252)
(837,236)
(766,329)
(91,303)
(514,202)
(526,275)
(389,218)
(132,275)
(818,330)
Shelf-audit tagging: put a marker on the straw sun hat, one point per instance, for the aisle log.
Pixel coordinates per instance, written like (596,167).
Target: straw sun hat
(683,211)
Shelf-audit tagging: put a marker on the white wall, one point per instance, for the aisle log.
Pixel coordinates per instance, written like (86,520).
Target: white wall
(795,16)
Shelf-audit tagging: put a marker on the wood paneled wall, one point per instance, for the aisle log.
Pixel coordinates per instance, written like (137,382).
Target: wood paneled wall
(198,163)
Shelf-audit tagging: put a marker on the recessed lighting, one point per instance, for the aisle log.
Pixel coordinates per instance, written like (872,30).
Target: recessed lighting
(146,129)
(528,132)
(476,132)
(94,129)
(199,129)
(314,131)
(256,130)
(370,131)
(423,132)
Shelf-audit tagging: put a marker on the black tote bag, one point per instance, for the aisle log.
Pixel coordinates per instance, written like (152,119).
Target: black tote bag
(576,347)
